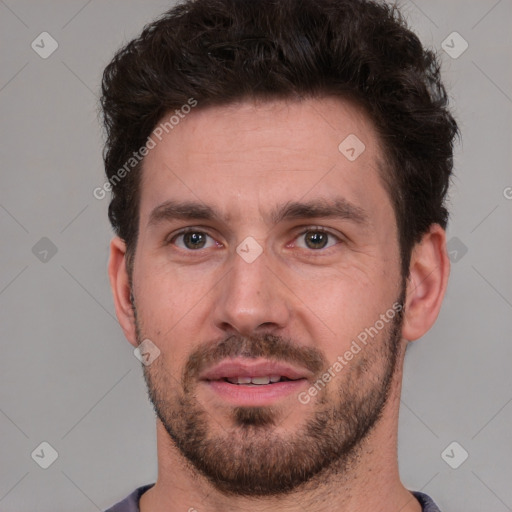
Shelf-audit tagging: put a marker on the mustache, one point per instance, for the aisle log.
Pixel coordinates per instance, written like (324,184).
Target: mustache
(269,346)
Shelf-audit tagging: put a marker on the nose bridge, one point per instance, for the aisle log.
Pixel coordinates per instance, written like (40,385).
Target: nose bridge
(250,296)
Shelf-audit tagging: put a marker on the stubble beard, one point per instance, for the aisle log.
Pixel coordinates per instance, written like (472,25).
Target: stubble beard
(251,458)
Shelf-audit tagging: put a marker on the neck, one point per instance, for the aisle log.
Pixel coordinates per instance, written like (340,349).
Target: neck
(370,482)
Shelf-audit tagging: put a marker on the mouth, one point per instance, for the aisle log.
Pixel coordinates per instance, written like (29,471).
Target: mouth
(257,381)
(249,382)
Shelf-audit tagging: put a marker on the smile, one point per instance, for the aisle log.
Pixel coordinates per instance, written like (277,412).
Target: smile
(249,382)
(257,381)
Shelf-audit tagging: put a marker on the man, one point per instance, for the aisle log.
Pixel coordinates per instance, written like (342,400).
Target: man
(278,171)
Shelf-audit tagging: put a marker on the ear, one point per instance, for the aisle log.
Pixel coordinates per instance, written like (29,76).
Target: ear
(120,284)
(426,286)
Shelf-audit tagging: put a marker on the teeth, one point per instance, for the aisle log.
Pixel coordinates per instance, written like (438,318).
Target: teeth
(254,380)
(260,380)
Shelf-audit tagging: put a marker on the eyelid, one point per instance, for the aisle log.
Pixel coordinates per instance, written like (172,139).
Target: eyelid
(304,229)
(321,229)
(189,229)
(314,227)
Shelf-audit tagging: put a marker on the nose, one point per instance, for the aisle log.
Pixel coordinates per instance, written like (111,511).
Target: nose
(251,299)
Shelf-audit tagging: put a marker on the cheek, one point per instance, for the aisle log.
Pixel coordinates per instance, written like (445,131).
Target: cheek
(343,304)
(172,303)
(166,284)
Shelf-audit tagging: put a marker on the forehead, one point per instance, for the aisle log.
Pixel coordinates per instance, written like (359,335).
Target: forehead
(261,154)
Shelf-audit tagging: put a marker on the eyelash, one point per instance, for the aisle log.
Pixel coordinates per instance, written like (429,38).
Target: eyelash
(318,229)
(309,229)
(169,241)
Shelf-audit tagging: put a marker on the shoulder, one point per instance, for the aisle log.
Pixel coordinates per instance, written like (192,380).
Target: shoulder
(427,503)
(131,502)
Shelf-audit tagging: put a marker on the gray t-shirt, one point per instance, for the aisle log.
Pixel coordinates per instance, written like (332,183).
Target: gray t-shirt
(131,502)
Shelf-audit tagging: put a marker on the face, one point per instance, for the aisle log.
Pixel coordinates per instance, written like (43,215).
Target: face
(267,273)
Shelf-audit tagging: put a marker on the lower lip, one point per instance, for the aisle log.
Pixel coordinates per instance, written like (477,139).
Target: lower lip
(256,395)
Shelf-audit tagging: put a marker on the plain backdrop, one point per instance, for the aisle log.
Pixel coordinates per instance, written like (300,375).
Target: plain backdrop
(67,375)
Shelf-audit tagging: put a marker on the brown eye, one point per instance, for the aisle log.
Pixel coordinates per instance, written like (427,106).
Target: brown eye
(193,240)
(316,239)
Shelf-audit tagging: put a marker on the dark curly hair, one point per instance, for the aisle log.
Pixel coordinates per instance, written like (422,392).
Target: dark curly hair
(222,51)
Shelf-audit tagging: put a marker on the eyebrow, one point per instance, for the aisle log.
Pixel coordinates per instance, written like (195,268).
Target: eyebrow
(333,208)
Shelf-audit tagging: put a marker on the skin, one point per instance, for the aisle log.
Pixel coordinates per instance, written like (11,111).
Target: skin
(246,159)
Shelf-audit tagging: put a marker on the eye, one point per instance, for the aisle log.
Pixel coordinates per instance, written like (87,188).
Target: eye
(193,240)
(316,239)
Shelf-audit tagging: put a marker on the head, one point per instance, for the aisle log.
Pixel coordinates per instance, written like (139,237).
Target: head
(306,147)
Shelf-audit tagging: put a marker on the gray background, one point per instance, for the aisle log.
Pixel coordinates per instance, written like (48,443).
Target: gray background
(68,376)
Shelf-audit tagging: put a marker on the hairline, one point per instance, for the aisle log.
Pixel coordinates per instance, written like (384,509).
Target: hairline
(383,159)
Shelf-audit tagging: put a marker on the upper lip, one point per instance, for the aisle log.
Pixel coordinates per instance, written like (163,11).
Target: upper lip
(232,368)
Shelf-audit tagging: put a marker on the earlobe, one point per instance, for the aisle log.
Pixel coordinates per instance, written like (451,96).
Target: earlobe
(120,285)
(426,286)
